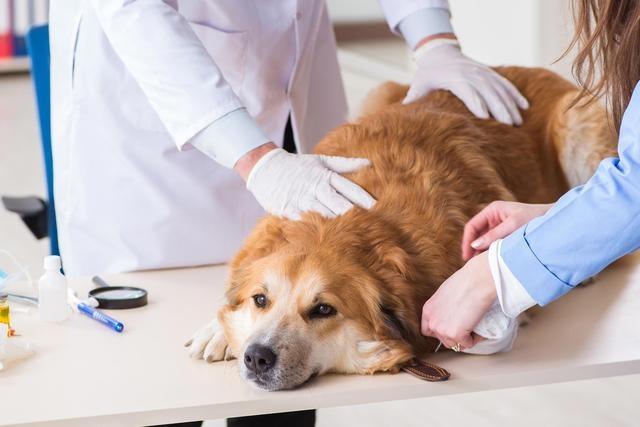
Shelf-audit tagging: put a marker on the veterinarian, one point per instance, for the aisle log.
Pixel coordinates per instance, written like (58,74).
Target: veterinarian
(164,114)
(538,253)
(137,85)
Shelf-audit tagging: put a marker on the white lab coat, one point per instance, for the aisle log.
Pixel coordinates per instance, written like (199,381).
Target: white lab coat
(134,81)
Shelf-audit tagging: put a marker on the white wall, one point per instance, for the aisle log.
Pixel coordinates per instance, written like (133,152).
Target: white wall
(517,32)
(354,10)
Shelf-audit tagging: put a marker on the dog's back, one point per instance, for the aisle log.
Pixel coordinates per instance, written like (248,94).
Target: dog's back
(434,165)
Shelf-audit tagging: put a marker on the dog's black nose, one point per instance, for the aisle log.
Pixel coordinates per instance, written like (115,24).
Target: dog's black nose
(259,359)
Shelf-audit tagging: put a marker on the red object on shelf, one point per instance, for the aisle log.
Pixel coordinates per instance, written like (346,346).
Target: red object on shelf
(6,36)
(6,45)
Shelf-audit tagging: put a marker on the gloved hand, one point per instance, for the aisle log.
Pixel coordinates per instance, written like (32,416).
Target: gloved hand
(288,184)
(441,65)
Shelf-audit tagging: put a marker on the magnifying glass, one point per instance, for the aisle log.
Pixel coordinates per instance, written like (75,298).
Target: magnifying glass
(117,297)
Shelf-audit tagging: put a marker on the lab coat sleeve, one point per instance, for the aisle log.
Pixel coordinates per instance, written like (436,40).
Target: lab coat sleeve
(230,137)
(424,23)
(588,228)
(158,47)
(397,10)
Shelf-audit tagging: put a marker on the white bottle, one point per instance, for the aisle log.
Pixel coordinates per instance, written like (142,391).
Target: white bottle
(52,294)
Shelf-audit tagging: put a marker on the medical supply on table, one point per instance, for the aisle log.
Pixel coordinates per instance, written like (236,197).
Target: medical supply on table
(12,349)
(117,297)
(52,296)
(6,278)
(5,317)
(87,310)
(23,299)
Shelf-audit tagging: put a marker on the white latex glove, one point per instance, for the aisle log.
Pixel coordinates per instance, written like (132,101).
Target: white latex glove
(441,65)
(288,184)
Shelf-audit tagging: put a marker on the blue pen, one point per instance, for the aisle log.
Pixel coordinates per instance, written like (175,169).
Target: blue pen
(91,312)
(100,317)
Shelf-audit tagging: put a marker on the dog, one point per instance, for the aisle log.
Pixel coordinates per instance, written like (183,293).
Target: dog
(345,295)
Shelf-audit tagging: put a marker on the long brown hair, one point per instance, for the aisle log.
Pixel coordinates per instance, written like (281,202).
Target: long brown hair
(607,35)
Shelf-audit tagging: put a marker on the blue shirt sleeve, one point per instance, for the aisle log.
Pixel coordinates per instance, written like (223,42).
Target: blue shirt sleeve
(588,228)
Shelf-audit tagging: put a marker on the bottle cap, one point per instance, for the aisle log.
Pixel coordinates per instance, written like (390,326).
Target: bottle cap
(52,262)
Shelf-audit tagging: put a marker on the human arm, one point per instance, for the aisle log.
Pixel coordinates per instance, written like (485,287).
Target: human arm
(197,106)
(588,228)
(441,64)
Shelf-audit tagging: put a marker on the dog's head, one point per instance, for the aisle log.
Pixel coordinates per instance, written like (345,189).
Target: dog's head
(314,296)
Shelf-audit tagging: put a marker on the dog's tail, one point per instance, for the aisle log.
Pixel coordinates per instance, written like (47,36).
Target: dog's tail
(582,136)
(579,136)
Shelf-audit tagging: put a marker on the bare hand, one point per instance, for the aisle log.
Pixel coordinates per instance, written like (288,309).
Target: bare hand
(496,221)
(452,313)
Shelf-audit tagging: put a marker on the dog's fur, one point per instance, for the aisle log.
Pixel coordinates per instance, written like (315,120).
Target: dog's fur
(433,166)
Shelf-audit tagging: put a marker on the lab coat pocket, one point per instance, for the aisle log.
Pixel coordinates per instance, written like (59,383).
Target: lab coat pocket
(227,49)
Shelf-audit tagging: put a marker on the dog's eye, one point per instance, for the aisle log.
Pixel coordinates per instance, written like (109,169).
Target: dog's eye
(260,300)
(322,310)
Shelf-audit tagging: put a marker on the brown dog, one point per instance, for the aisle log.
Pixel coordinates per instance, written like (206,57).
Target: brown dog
(345,295)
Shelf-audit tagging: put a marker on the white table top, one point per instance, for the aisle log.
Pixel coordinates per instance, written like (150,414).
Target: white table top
(85,374)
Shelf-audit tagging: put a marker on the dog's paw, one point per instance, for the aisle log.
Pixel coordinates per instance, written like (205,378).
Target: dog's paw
(208,343)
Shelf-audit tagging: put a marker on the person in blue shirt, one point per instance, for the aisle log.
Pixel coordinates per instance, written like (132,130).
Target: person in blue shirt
(548,249)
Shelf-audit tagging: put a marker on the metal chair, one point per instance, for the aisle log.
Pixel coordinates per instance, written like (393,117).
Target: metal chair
(39,215)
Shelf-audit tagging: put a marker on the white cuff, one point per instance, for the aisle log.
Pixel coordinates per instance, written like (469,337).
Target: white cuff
(513,297)
(230,137)
(424,23)
(395,11)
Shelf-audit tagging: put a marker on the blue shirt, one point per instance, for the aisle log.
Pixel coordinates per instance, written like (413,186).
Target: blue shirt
(590,227)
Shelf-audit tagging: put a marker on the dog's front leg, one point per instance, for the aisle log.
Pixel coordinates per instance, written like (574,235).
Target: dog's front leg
(209,343)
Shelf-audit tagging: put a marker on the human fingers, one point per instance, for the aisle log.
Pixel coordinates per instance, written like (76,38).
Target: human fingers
(471,99)
(495,103)
(500,231)
(336,202)
(317,206)
(474,228)
(416,91)
(352,191)
(343,164)
(508,100)
(513,91)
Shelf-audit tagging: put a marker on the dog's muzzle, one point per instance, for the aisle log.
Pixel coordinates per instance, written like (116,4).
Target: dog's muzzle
(259,359)
(277,363)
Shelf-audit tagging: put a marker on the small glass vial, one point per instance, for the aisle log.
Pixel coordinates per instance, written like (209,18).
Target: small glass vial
(4,310)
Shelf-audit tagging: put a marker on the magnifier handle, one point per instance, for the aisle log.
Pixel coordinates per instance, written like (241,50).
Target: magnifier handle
(98,281)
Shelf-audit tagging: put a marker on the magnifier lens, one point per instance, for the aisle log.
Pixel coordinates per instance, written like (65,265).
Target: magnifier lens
(120,294)
(117,297)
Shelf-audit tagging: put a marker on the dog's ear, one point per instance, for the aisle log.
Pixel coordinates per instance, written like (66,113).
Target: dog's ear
(265,239)
(394,323)
(393,266)
(391,260)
